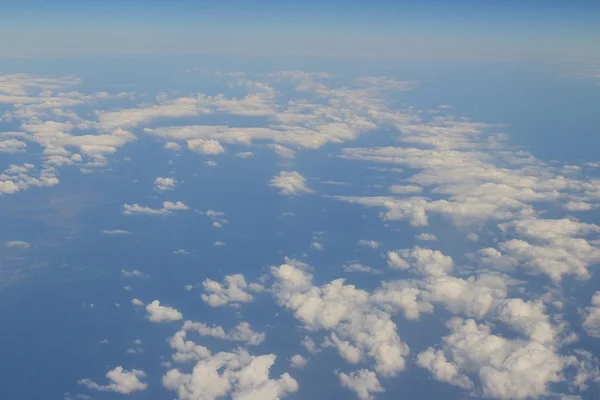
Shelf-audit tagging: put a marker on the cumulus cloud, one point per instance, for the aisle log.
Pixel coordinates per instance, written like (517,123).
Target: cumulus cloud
(163,184)
(133,273)
(137,302)
(591,324)
(158,313)
(423,261)
(505,369)
(363,382)
(359,329)
(121,381)
(236,375)
(243,332)
(234,290)
(167,208)
(369,243)
(290,183)
(203,146)
(426,237)
(298,361)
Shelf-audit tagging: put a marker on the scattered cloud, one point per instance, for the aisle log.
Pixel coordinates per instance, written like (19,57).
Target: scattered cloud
(290,183)
(158,313)
(121,381)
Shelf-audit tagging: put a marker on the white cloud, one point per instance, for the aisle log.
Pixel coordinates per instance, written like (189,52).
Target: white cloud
(243,332)
(158,313)
(204,146)
(133,273)
(12,146)
(181,252)
(163,184)
(424,261)
(298,361)
(172,146)
(168,206)
(115,232)
(316,246)
(426,237)
(282,151)
(591,324)
(357,267)
(369,243)
(137,302)
(233,290)
(244,154)
(121,381)
(359,329)
(238,375)
(505,369)
(219,243)
(363,382)
(19,244)
(290,183)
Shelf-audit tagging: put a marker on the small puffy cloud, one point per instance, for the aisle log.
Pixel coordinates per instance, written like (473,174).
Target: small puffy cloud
(233,375)
(578,206)
(133,273)
(12,146)
(158,313)
(172,146)
(243,332)
(357,267)
(219,243)
(363,382)
(168,206)
(233,290)
(369,243)
(426,237)
(17,244)
(298,361)
(121,381)
(591,324)
(205,146)
(181,252)
(245,154)
(316,246)
(424,261)
(282,151)
(290,183)
(115,232)
(137,302)
(163,184)
(473,237)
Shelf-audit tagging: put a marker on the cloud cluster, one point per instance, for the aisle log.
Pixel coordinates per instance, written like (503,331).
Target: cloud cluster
(290,183)
(167,208)
(234,290)
(121,381)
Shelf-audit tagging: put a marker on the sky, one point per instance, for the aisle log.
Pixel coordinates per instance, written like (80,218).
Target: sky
(405,30)
(324,200)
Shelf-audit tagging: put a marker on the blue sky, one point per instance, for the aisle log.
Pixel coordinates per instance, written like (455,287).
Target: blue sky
(463,30)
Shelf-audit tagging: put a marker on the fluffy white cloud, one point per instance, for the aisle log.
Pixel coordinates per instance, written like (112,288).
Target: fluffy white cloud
(363,382)
(12,146)
(243,332)
(168,206)
(19,244)
(235,289)
(505,369)
(137,302)
(158,313)
(238,375)
(298,361)
(424,261)
(357,267)
(163,184)
(290,183)
(369,243)
(359,329)
(133,273)
(204,146)
(591,324)
(121,381)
